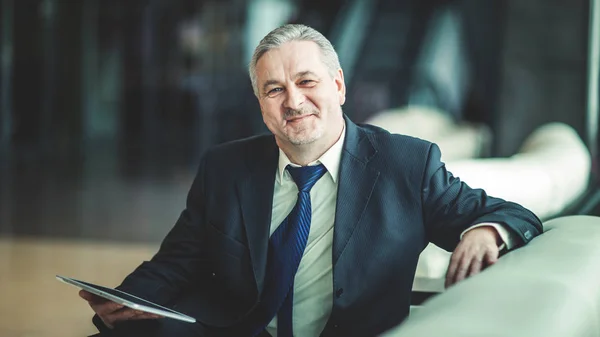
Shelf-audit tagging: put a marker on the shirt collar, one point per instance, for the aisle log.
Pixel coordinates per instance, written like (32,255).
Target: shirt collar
(330,159)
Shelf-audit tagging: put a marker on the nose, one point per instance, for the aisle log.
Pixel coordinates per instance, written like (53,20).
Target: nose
(294,98)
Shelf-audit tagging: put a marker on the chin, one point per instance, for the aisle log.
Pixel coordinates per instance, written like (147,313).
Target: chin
(304,139)
(303,136)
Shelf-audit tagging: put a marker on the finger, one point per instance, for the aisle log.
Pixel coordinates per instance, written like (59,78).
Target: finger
(475,267)
(106,308)
(147,315)
(491,257)
(112,318)
(91,297)
(130,314)
(463,268)
(124,314)
(453,266)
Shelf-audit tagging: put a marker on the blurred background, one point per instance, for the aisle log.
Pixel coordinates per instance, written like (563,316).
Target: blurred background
(107,106)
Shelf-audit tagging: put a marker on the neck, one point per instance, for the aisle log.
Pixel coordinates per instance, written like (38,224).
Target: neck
(303,158)
(305,154)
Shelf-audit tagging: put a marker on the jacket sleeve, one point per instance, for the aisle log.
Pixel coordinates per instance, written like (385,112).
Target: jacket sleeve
(181,259)
(450,206)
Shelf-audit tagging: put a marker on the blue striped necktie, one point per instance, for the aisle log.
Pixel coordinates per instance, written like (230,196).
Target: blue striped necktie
(286,247)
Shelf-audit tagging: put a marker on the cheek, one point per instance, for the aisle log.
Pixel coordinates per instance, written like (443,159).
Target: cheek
(326,101)
(269,111)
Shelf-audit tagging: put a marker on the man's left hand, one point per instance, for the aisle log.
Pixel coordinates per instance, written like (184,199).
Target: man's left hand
(477,250)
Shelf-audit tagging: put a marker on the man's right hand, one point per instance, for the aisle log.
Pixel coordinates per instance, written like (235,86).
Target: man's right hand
(112,313)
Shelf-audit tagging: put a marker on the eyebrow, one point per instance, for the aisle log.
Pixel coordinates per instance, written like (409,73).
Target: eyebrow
(296,76)
(304,73)
(268,83)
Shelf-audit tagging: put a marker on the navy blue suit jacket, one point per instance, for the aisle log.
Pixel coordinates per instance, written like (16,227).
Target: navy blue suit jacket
(395,196)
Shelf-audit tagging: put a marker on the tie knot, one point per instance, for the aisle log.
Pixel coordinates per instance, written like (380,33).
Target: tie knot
(306,176)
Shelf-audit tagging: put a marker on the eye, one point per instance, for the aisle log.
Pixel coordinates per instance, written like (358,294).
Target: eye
(305,82)
(274,92)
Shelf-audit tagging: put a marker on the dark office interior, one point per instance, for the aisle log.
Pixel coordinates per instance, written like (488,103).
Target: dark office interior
(107,106)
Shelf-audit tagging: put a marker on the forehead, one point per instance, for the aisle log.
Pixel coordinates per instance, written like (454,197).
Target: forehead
(289,59)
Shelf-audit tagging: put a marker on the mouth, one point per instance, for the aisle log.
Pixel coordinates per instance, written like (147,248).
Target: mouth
(297,118)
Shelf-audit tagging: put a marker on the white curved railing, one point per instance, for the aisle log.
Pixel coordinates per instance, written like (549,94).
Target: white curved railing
(549,288)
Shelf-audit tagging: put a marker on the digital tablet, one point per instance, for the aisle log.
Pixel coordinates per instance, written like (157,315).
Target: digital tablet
(126,299)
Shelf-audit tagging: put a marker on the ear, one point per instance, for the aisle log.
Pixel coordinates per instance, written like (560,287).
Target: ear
(340,86)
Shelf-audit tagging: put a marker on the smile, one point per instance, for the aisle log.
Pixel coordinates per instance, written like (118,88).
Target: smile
(298,118)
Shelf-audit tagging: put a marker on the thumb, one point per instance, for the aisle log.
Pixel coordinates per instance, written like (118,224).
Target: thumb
(91,297)
(85,295)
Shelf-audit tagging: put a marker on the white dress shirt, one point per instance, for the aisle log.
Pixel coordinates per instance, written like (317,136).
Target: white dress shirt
(313,284)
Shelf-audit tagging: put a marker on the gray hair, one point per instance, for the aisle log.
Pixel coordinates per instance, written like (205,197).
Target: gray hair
(289,33)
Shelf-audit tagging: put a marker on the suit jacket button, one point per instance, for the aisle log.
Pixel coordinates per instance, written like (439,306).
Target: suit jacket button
(339,292)
(335,326)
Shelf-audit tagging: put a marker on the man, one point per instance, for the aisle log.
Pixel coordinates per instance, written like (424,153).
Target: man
(317,229)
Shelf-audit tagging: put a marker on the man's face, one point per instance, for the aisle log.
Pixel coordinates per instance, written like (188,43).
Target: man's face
(299,100)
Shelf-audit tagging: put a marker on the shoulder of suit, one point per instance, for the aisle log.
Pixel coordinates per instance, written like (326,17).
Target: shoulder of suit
(381,136)
(397,153)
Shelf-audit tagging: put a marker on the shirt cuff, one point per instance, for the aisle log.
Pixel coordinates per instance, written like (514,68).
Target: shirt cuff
(506,236)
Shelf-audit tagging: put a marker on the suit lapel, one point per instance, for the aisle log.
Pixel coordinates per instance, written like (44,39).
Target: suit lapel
(255,190)
(356,183)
